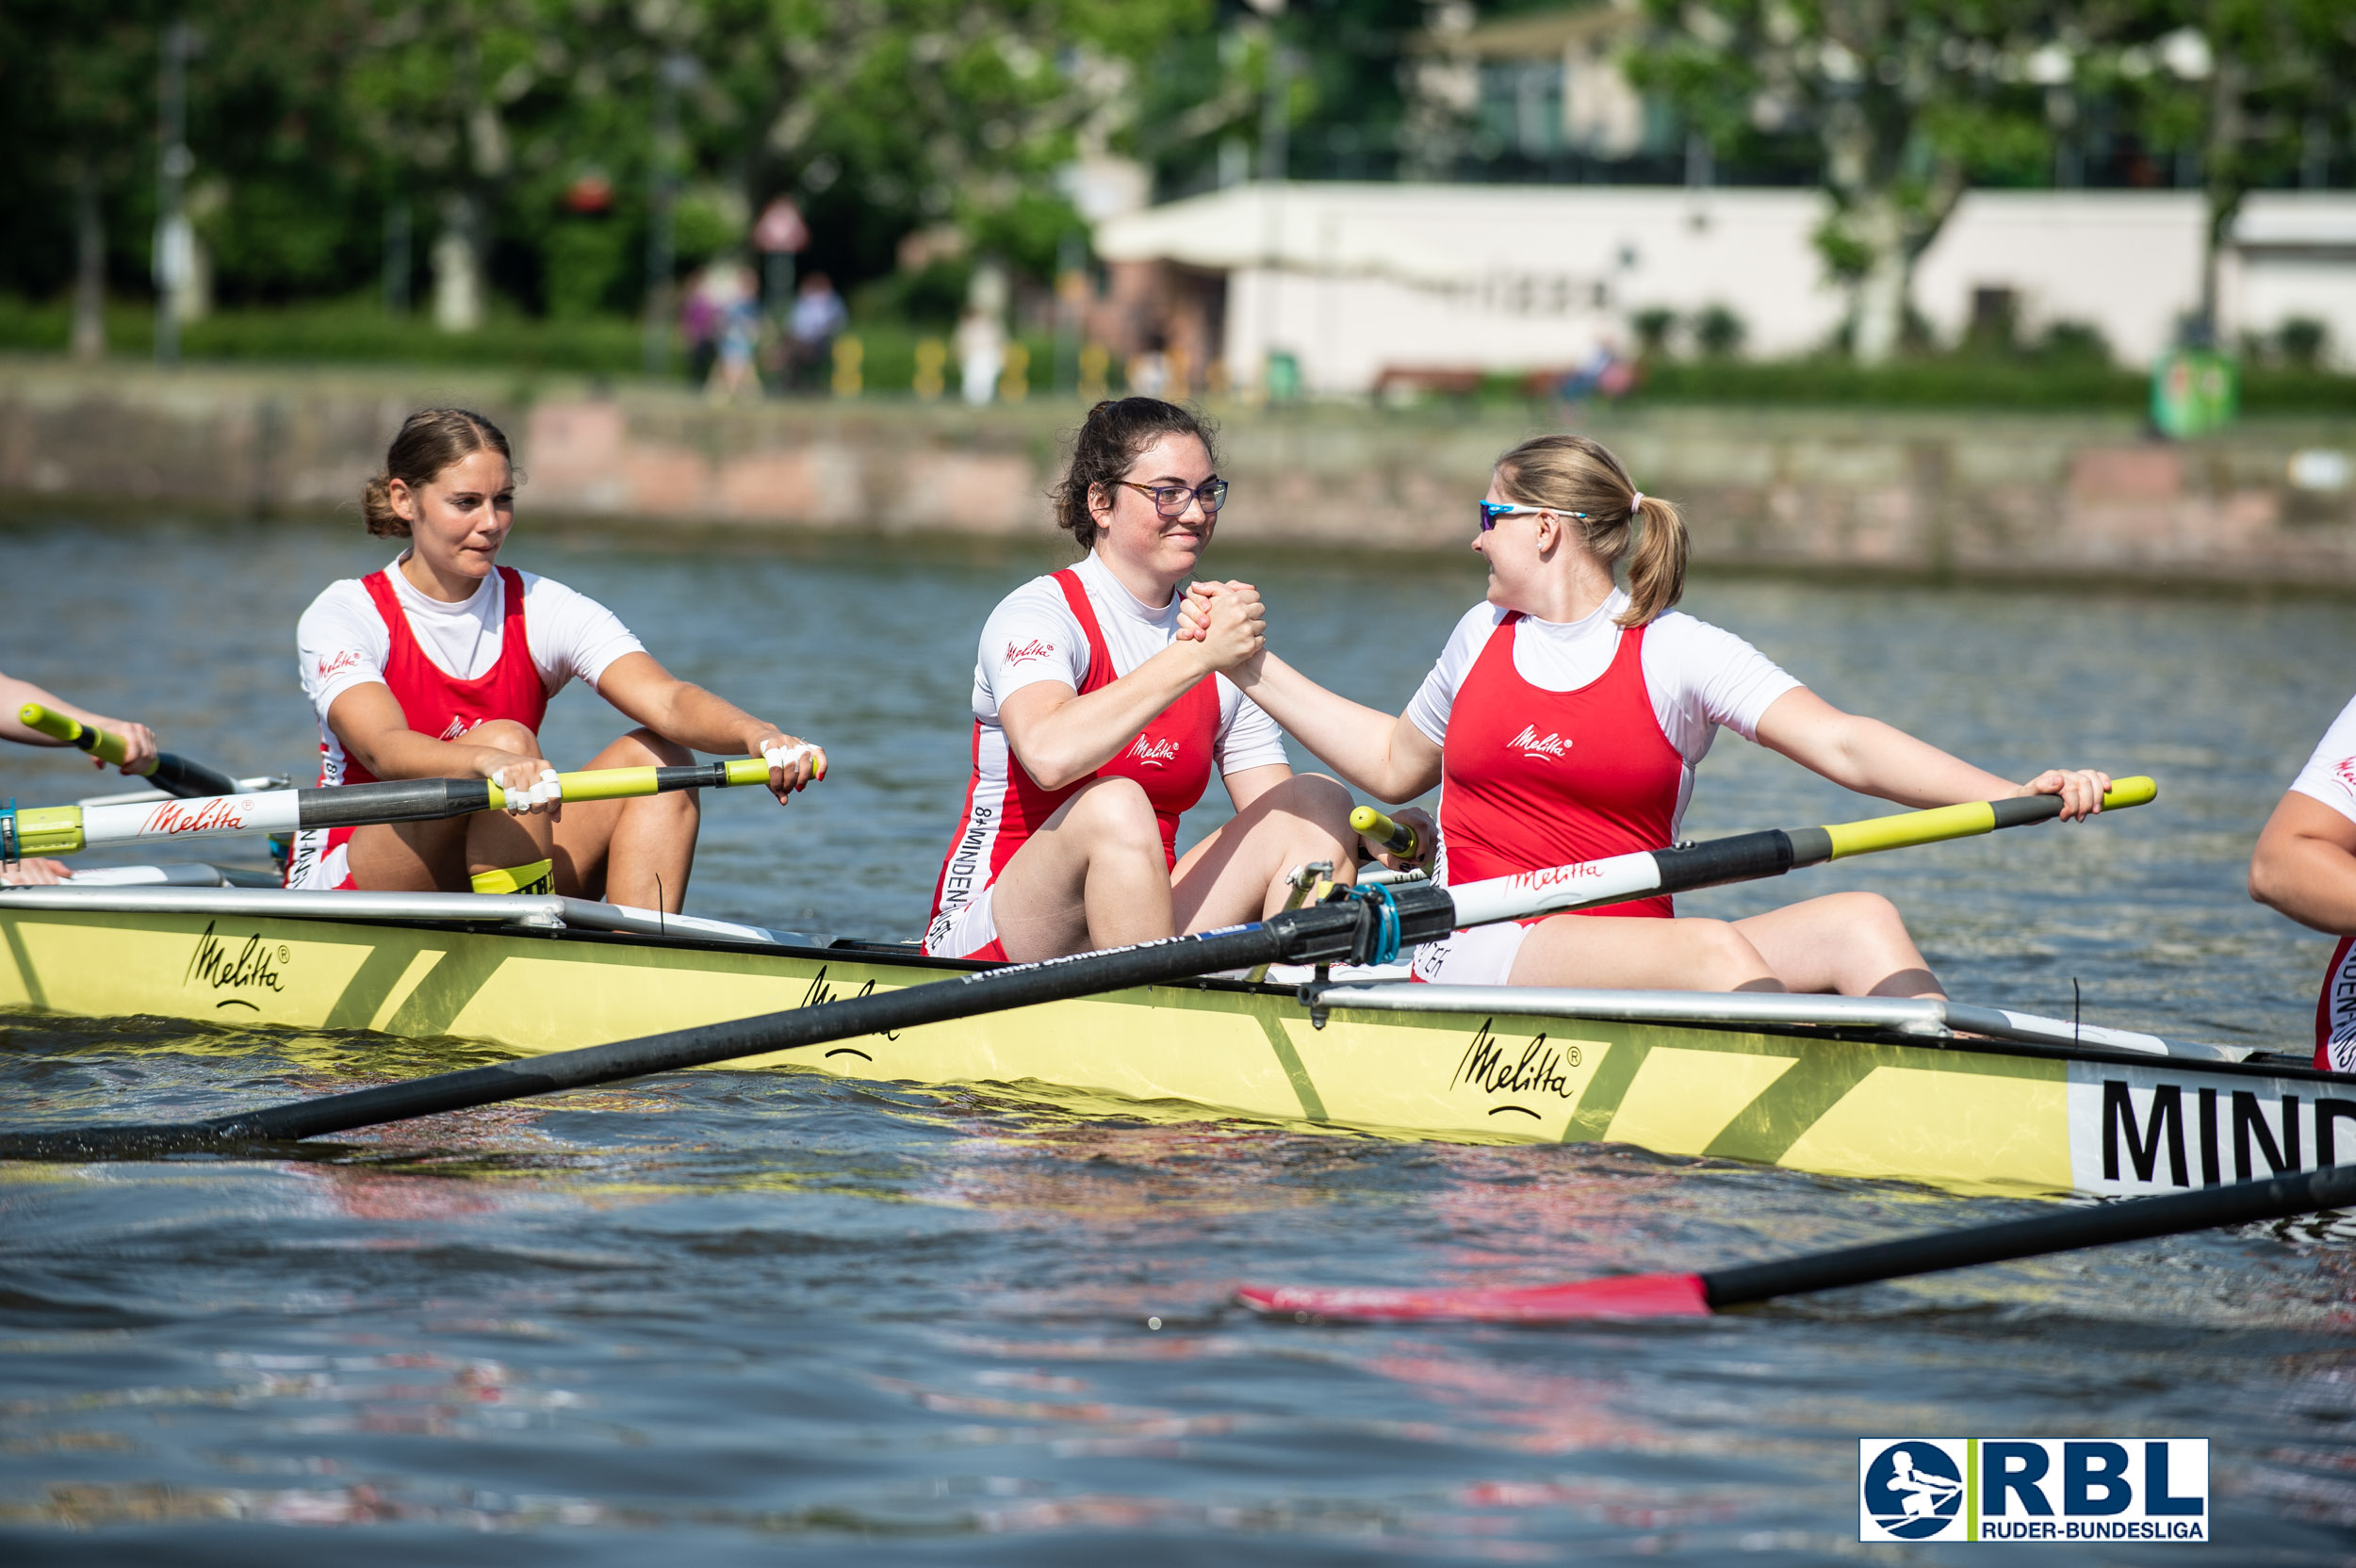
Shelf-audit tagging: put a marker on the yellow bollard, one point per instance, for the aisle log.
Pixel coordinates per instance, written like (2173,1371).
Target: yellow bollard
(850,354)
(1014,382)
(932,357)
(1095,363)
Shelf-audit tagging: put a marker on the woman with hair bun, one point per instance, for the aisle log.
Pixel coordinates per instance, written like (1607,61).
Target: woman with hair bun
(1564,722)
(441,666)
(1094,728)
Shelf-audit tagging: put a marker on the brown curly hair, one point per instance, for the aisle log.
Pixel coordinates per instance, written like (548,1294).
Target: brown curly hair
(1108,441)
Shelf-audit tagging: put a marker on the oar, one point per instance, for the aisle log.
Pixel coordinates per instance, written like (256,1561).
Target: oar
(1396,837)
(63,829)
(1634,1296)
(1365,925)
(174,776)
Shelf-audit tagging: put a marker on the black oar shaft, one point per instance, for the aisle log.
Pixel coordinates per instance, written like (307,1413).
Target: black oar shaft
(1320,933)
(434,799)
(2099,1225)
(177,775)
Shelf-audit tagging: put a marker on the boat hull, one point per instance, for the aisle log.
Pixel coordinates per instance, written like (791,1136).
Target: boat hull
(1967,1119)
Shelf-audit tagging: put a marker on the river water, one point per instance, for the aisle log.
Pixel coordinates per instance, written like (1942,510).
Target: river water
(735,1316)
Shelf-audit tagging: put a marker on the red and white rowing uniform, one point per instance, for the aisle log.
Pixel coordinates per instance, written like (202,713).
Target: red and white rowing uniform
(1565,742)
(2330,777)
(501,653)
(1081,627)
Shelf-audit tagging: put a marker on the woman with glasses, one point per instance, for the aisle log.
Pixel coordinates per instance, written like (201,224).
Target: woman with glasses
(1564,720)
(1094,727)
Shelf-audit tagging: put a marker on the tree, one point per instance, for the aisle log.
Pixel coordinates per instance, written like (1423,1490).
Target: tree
(1906,100)
(2250,90)
(80,83)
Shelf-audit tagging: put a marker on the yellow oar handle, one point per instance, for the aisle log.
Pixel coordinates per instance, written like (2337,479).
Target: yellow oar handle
(631,783)
(73,732)
(1972,817)
(1396,837)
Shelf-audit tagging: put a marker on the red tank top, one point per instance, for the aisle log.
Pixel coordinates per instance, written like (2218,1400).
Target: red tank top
(1532,778)
(1170,757)
(436,702)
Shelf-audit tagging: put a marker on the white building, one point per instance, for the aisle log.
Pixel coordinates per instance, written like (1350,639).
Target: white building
(1358,278)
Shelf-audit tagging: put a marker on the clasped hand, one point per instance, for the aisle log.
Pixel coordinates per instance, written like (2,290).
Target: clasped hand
(1228,620)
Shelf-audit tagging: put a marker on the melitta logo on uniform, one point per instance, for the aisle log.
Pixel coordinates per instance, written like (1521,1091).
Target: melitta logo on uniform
(221,814)
(1153,753)
(2142,1488)
(343,661)
(1531,743)
(457,727)
(1018,652)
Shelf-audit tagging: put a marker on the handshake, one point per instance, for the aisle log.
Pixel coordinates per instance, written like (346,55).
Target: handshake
(1228,621)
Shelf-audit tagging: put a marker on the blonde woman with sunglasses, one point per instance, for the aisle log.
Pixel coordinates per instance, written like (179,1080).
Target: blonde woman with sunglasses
(1563,722)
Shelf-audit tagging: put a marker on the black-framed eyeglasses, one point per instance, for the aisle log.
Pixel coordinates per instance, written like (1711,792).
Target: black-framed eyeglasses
(1492,511)
(1170,499)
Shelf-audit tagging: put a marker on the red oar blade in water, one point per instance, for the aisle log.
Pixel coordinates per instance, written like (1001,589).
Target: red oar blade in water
(1630,1297)
(1621,1298)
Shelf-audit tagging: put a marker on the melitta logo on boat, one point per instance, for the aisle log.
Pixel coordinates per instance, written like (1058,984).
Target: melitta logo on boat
(1153,753)
(2143,1130)
(221,814)
(2141,1489)
(1018,652)
(1531,743)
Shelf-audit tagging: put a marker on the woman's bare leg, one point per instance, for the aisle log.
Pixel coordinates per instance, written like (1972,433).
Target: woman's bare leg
(636,852)
(1618,952)
(1092,875)
(1239,874)
(1851,945)
(442,857)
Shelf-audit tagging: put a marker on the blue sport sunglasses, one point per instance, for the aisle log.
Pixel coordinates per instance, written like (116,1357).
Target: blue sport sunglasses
(1492,511)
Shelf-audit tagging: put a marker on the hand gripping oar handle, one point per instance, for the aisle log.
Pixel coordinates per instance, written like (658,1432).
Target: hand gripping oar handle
(63,829)
(1749,856)
(174,775)
(1396,837)
(1359,924)
(1630,1295)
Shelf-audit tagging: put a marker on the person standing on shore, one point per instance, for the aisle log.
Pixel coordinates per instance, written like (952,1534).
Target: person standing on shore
(441,666)
(1094,728)
(139,751)
(1564,721)
(2305,867)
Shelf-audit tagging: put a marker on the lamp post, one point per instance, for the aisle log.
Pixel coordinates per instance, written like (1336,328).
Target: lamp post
(175,258)
(677,70)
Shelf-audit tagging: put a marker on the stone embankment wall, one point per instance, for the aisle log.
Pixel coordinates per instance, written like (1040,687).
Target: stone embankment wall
(1980,494)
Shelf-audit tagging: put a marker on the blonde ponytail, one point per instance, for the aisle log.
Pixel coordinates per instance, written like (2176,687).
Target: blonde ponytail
(1582,480)
(1656,577)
